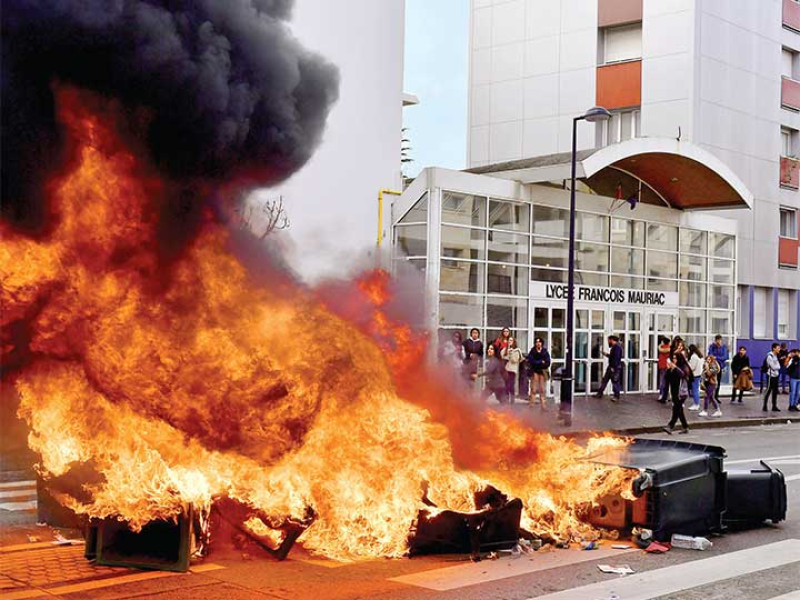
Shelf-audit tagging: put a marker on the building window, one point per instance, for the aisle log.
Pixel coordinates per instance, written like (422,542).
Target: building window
(622,126)
(789,139)
(762,313)
(621,43)
(787,308)
(788,223)
(788,58)
(743,306)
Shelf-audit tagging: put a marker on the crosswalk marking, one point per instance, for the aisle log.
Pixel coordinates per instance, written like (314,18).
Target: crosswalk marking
(27,505)
(18,493)
(789,596)
(451,578)
(742,461)
(15,484)
(687,575)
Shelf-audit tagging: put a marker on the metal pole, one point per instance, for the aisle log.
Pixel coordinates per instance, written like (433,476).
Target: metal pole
(565,412)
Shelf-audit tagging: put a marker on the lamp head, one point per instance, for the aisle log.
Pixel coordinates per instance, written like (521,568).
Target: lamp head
(596,113)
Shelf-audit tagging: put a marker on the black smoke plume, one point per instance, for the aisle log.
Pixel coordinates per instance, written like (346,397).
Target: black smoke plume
(230,93)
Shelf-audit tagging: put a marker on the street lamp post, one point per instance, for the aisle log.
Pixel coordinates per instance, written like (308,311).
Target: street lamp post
(594,114)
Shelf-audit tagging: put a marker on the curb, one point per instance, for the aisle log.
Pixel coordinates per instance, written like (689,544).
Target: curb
(746,422)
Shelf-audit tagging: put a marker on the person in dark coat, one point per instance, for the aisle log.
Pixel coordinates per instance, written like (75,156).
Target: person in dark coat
(539,365)
(614,370)
(739,363)
(473,352)
(679,378)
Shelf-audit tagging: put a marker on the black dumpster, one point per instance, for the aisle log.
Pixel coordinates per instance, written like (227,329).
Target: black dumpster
(755,496)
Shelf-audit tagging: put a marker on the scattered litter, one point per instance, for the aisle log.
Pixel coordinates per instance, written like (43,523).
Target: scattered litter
(618,569)
(620,546)
(690,543)
(658,547)
(612,596)
(590,545)
(41,524)
(546,548)
(34,538)
(563,545)
(492,556)
(536,544)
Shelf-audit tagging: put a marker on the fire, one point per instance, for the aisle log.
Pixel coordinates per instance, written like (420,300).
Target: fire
(183,381)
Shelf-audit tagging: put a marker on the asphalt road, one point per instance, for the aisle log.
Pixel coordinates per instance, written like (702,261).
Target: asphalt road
(760,564)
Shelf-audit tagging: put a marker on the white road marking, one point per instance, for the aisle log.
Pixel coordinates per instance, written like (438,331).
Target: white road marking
(669,580)
(792,478)
(29,505)
(14,484)
(451,578)
(742,461)
(790,596)
(18,493)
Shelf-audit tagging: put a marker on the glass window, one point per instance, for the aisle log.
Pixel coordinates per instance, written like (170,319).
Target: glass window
(509,215)
(627,232)
(722,296)
(418,212)
(540,318)
(662,285)
(507,279)
(692,320)
(585,278)
(720,271)
(507,312)
(548,252)
(559,318)
(787,308)
(693,241)
(662,264)
(788,223)
(693,267)
(627,260)
(463,209)
(625,281)
(411,240)
(762,312)
(551,221)
(692,294)
(460,242)
(598,319)
(662,237)
(591,227)
(720,245)
(508,247)
(460,276)
(591,257)
(622,43)
(548,275)
(402,265)
(721,323)
(460,311)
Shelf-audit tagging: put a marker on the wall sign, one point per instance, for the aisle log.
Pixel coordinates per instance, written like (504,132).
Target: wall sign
(604,295)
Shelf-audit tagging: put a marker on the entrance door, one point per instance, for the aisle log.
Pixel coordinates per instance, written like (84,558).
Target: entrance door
(658,324)
(590,332)
(627,324)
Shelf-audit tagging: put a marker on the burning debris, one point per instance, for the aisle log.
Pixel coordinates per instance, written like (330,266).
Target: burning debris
(177,387)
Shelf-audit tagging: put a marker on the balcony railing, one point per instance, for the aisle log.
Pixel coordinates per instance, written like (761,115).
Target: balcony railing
(791,14)
(619,85)
(790,172)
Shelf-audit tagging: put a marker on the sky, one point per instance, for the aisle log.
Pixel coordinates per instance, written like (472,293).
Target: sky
(436,69)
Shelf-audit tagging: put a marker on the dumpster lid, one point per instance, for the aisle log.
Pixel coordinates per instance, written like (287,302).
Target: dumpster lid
(656,455)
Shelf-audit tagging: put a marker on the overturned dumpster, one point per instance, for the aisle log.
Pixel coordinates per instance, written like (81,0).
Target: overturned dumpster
(684,488)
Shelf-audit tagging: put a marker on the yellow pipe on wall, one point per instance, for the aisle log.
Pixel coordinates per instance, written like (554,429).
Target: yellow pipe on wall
(380,211)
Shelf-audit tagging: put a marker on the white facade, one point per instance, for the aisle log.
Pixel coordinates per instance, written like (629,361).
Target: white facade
(332,201)
(710,73)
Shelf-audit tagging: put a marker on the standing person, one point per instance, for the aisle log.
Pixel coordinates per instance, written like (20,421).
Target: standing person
(719,351)
(473,353)
(663,354)
(710,373)
(493,371)
(452,351)
(741,373)
(783,355)
(678,374)
(513,359)
(500,344)
(793,370)
(773,371)
(614,370)
(539,362)
(696,365)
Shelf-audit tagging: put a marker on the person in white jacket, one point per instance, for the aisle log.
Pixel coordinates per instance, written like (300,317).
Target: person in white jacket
(696,365)
(513,357)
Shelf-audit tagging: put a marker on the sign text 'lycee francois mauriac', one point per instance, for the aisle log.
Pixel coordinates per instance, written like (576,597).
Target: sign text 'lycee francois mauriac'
(558,291)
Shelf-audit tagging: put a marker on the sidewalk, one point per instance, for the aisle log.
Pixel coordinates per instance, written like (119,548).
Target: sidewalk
(642,413)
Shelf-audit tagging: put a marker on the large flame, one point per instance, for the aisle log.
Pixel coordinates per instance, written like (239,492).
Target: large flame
(178,383)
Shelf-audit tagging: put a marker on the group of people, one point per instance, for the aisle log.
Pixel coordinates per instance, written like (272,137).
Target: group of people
(502,364)
(682,371)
